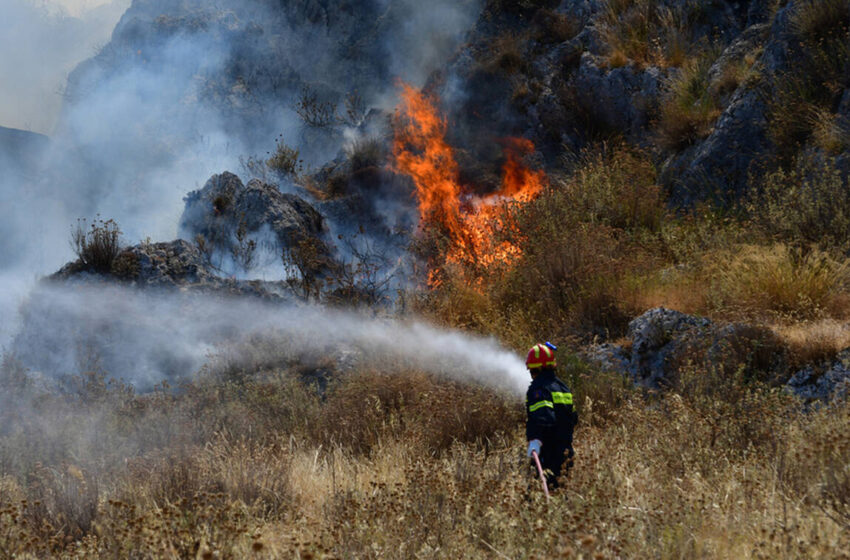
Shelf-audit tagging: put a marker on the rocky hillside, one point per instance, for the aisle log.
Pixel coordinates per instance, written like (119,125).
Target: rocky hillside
(720,93)
(638,111)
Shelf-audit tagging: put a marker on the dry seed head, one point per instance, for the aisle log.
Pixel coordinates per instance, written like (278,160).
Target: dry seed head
(588,541)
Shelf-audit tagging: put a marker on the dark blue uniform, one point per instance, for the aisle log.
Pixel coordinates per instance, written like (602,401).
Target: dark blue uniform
(551,419)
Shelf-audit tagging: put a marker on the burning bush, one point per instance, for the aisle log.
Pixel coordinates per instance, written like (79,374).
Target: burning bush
(467,223)
(572,248)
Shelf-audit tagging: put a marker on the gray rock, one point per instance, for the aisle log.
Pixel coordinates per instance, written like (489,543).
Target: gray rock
(664,340)
(226,216)
(658,335)
(609,357)
(743,45)
(828,387)
(582,10)
(719,167)
(844,106)
(623,98)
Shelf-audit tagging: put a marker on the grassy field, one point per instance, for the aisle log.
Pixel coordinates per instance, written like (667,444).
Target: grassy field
(409,466)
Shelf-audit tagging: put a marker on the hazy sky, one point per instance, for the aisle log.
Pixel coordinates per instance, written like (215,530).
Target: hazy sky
(41,41)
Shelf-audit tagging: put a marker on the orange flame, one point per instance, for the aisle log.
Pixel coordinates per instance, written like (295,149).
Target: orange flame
(470,221)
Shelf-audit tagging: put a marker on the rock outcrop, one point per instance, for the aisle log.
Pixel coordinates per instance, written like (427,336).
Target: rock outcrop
(234,219)
(824,386)
(661,342)
(175,265)
(224,205)
(555,82)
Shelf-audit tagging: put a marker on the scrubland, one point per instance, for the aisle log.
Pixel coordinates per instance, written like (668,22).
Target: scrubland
(396,464)
(385,462)
(393,463)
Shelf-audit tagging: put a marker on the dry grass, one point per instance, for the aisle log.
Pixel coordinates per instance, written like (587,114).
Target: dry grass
(814,342)
(779,280)
(646,32)
(715,470)
(690,110)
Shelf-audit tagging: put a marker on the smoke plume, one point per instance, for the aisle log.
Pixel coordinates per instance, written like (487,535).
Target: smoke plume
(40,44)
(181,91)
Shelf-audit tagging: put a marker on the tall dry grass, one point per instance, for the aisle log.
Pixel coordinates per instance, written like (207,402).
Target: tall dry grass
(718,468)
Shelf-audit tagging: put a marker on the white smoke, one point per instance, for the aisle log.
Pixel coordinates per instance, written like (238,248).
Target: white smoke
(146,337)
(143,127)
(41,42)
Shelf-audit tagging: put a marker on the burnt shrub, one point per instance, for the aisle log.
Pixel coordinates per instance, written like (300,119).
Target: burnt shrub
(284,160)
(97,246)
(365,153)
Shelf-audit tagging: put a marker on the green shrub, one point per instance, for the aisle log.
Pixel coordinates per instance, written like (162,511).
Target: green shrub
(614,186)
(365,153)
(807,205)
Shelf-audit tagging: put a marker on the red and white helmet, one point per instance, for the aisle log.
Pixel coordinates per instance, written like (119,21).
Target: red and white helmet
(540,356)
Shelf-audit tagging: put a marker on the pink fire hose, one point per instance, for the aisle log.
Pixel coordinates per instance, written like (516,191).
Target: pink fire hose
(542,476)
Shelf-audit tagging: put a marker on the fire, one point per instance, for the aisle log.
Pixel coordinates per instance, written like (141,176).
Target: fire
(470,221)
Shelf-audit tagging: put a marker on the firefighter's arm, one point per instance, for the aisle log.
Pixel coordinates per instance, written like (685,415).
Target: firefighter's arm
(541,413)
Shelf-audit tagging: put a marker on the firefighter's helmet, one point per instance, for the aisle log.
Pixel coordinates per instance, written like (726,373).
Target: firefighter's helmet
(540,355)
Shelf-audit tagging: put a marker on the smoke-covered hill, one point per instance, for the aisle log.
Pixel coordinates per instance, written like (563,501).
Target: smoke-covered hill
(301,97)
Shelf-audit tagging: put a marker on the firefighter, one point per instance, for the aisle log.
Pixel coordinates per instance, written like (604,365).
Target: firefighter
(551,418)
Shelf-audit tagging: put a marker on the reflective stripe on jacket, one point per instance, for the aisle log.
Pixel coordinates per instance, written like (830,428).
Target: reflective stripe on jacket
(549,404)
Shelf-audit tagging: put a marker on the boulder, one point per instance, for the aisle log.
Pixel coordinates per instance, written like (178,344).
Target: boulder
(622,99)
(658,338)
(229,218)
(830,386)
(719,167)
(224,205)
(662,341)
